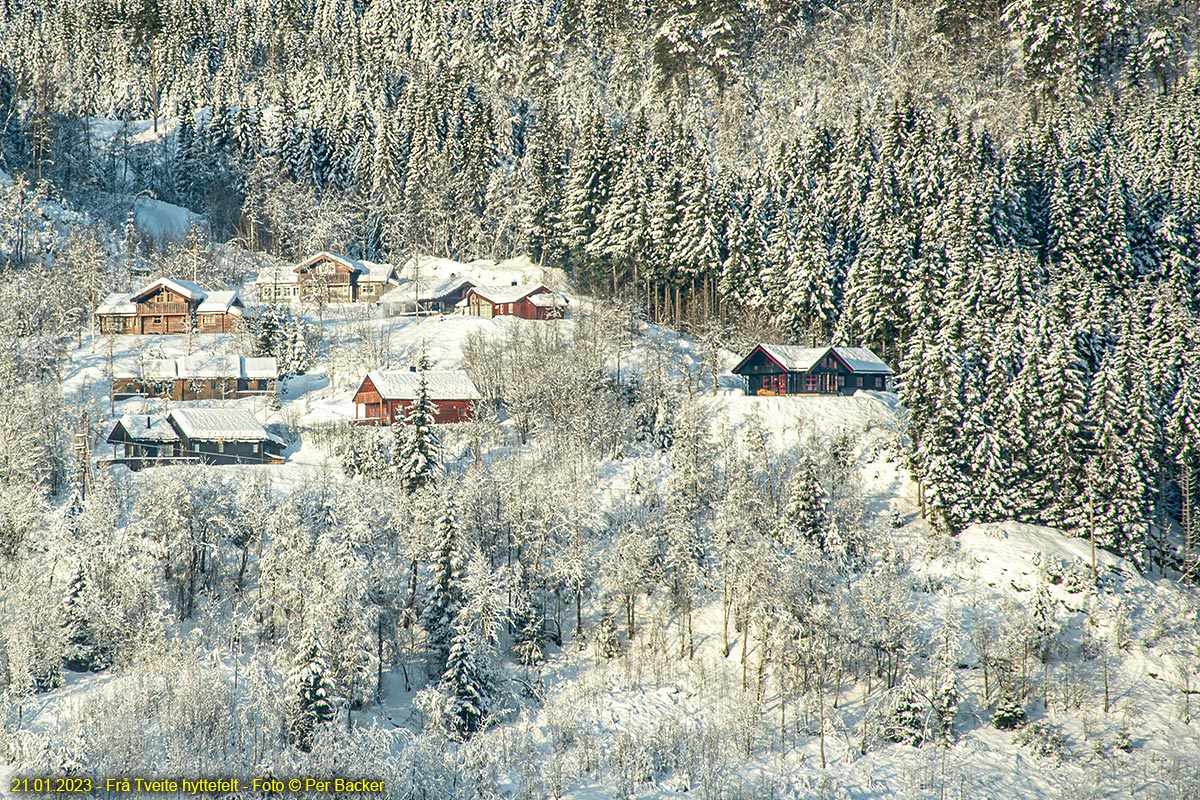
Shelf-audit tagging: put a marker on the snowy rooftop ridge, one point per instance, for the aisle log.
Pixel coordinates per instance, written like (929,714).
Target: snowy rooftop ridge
(441,384)
(794,357)
(117,304)
(218,423)
(860,359)
(146,428)
(370,269)
(803,359)
(223,302)
(426,288)
(207,367)
(509,294)
(190,290)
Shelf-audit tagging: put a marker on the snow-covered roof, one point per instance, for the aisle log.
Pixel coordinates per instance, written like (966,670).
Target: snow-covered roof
(145,428)
(792,357)
(509,294)
(192,291)
(161,369)
(117,304)
(549,300)
(378,273)
(218,423)
(368,270)
(442,384)
(260,368)
(223,302)
(802,359)
(209,366)
(431,289)
(276,274)
(860,359)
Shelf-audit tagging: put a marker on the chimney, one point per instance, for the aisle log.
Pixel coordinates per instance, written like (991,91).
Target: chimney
(412,368)
(514,283)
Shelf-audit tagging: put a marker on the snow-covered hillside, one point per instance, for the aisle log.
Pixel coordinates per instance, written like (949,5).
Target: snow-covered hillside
(867,661)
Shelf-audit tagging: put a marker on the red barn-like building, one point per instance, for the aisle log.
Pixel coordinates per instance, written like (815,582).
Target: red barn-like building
(384,396)
(528,301)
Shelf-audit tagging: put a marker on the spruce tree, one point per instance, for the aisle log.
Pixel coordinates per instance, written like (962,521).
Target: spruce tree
(84,652)
(444,589)
(467,682)
(807,505)
(310,694)
(417,457)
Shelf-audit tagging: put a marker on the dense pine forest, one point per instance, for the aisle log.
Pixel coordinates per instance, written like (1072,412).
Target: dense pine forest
(999,197)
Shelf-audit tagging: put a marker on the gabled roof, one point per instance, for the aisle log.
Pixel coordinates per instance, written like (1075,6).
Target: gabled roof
(379,273)
(509,294)
(142,428)
(549,300)
(407,289)
(325,255)
(441,384)
(117,304)
(218,423)
(190,290)
(223,302)
(276,274)
(862,360)
(366,270)
(793,358)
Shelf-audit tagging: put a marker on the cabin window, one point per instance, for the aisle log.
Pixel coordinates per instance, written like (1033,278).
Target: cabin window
(220,445)
(127,322)
(841,381)
(858,381)
(196,447)
(208,319)
(157,320)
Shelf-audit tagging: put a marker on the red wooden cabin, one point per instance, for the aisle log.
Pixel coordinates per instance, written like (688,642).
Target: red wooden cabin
(384,396)
(528,301)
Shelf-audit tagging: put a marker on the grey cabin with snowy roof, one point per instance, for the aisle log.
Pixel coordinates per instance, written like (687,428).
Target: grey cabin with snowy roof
(195,436)
(780,369)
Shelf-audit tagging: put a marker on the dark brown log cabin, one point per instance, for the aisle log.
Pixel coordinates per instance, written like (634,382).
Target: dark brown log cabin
(331,278)
(168,305)
(776,369)
(528,301)
(201,377)
(384,396)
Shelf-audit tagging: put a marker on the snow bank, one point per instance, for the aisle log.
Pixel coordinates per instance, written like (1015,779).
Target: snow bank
(163,222)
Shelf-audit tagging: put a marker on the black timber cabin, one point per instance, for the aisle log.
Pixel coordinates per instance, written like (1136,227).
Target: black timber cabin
(781,369)
(193,436)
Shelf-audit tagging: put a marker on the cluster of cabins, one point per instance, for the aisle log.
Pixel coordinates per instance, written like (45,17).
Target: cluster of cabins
(384,397)
(333,278)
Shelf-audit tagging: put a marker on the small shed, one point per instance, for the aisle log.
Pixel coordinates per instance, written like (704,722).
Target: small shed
(780,369)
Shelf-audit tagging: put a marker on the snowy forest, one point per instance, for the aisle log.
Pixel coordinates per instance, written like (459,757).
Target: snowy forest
(620,579)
